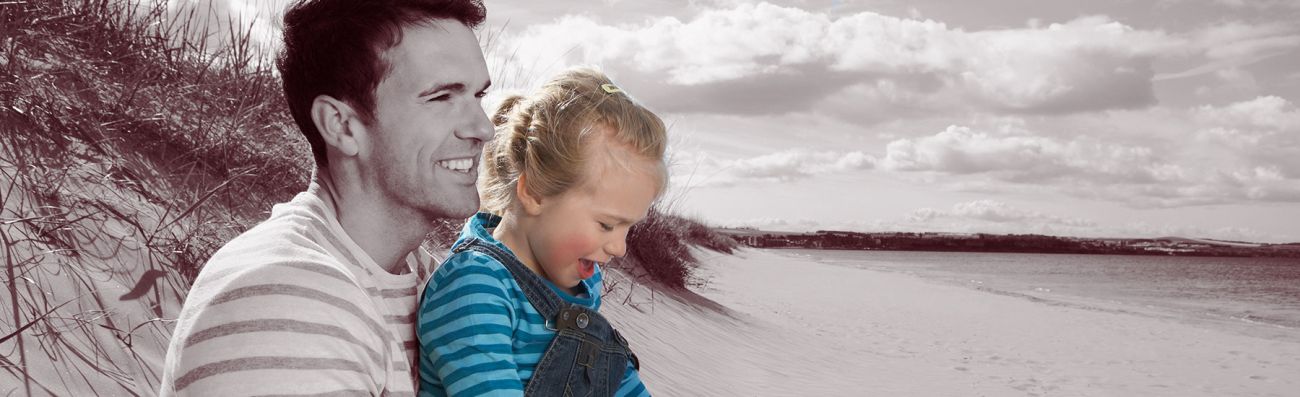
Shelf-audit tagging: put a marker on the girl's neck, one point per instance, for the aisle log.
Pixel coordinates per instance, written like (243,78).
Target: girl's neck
(509,232)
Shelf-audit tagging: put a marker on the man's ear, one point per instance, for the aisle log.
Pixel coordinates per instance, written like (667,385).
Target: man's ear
(337,123)
(531,203)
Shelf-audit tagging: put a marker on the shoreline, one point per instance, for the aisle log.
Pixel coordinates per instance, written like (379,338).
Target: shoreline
(1251,323)
(1187,312)
(1155,253)
(796,326)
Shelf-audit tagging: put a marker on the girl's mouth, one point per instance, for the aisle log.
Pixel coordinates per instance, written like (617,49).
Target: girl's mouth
(586,269)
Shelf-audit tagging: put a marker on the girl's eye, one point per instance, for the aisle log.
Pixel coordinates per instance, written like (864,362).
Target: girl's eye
(480,94)
(606,227)
(440,98)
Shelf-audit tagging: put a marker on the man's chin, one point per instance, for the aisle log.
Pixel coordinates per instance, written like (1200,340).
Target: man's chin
(459,211)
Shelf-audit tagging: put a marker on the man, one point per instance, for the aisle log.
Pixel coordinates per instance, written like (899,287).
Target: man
(320,298)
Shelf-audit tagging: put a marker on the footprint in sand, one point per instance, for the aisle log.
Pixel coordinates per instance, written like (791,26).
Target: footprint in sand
(1258,377)
(962,369)
(1026,385)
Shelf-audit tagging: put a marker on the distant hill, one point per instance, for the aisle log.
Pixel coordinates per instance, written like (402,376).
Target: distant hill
(1226,243)
(962,242)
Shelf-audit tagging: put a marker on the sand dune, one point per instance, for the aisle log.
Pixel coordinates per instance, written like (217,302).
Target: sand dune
(790,326)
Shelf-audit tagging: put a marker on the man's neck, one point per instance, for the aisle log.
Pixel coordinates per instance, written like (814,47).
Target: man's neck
(386,232)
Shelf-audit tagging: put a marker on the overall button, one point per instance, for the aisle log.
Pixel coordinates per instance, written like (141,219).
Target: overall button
(582,320)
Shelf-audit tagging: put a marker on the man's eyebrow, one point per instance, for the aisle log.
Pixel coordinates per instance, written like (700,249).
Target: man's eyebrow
(454,87)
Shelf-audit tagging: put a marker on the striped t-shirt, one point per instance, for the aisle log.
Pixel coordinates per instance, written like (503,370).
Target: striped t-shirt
(478,333)
(294,306)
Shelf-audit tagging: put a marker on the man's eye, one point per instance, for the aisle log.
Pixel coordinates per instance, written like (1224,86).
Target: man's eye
(606,227)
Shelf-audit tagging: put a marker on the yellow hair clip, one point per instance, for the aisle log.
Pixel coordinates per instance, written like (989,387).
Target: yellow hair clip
(610,88)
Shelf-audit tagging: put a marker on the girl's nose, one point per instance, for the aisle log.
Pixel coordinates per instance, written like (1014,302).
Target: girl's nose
(616,248)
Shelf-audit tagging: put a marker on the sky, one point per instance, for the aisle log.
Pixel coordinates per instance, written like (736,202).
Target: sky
(1109,118)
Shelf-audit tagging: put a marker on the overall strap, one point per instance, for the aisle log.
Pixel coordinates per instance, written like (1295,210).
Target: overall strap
(547,303)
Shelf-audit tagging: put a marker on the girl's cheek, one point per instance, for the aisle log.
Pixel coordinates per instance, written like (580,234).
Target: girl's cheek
(576,245)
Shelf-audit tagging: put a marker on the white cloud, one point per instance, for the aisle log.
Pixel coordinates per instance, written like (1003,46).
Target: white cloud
(217,25)
(1266,112)
(1085,64)
(1260,4)
(783,166)
(1232,45)
(992,216)
(775,224)
(761,38)
(1243,40)
(992,211)
(748,58)
(1017,155)
(1262,133)
(1242,152)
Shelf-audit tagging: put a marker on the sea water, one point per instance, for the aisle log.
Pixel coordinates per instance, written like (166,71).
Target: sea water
(1255,296)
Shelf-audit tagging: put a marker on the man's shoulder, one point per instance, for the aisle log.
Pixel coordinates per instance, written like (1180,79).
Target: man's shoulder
(272,315)
(271,274)
(281,250)
(289,226)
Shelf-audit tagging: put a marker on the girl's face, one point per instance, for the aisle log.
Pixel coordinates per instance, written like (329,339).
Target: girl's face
(588,224)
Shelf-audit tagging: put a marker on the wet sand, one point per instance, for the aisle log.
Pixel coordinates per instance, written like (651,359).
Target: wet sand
(772,325)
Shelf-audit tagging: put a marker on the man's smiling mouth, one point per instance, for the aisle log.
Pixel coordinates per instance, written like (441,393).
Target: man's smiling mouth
(462,165)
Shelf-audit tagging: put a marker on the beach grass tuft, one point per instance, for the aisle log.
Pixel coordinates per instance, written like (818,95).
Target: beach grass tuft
(659,248)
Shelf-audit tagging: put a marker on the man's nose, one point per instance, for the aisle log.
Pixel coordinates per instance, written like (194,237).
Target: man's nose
(476,125)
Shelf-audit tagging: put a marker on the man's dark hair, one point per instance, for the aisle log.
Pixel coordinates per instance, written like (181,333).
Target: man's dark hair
(335,48)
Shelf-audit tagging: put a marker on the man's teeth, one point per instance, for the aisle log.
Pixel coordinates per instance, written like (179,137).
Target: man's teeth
(461,165)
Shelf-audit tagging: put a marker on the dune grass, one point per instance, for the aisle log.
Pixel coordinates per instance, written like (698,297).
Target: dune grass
(132,146)
(129,152)
(659,248)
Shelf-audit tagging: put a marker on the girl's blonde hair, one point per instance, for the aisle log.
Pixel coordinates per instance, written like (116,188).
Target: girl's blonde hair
(543,137)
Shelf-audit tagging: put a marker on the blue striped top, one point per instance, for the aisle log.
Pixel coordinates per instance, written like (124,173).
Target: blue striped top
(478,333)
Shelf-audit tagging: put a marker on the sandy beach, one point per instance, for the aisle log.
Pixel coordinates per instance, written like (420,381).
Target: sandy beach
(786,326)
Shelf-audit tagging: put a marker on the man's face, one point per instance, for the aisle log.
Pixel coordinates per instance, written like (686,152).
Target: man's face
(429,125)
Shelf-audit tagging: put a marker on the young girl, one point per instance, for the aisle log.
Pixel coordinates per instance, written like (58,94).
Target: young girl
(513,310)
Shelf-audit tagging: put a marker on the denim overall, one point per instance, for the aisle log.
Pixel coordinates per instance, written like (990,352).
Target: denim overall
(588,357)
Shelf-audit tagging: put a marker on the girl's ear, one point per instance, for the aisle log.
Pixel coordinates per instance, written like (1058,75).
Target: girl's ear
(532,204)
